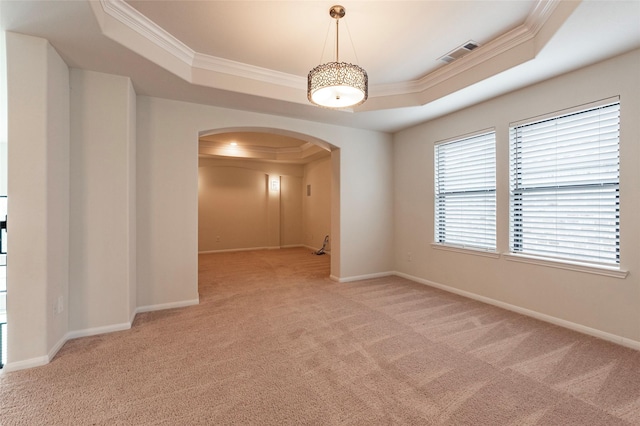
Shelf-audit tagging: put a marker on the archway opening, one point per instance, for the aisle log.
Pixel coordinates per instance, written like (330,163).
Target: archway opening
(266,188)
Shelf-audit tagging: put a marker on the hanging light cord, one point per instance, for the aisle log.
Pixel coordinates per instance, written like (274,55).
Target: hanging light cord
(352,45)
(324,46)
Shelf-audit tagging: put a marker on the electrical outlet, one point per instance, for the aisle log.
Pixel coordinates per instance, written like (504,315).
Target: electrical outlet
(409,257)
(60,306)
(217,238)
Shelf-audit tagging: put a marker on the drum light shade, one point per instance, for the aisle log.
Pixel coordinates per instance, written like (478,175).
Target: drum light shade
(337,85)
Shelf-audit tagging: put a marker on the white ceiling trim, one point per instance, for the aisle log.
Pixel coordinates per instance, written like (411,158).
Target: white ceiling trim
(303,154)
(132,18)
(539,15)
(520,44)
(478,56)
(512,39)
(226,66)
(129,16)
(305,147)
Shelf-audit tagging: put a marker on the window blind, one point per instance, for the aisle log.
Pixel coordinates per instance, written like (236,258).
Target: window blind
(465,192)
(564,195)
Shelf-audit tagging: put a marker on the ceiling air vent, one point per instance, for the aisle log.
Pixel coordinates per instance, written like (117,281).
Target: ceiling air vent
(459,52)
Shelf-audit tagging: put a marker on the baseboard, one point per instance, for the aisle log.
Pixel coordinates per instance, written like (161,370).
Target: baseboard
(171,305)
(98,330)
(239,249)
(365,277)
(614,338)
(44,360)
(132,316)
(261,248)
(54,350)
(24,364)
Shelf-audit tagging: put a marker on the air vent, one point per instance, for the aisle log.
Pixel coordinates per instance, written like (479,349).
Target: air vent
(459,52)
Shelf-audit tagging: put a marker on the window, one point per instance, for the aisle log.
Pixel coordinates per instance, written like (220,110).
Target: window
(465,192)
(564,197)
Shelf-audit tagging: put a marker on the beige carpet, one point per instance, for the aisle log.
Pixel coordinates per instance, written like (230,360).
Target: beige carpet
(275,342)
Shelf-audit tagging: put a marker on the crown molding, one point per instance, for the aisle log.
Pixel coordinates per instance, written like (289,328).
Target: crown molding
(226,66)
(304,149)
(303,154)
(136,21)
(143,26)
(541,12)
(406,93)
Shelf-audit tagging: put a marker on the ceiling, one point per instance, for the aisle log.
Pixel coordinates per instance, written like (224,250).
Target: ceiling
(257,145)
(255,55)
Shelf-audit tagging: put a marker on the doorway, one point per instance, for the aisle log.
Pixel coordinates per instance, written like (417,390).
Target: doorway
(263,188)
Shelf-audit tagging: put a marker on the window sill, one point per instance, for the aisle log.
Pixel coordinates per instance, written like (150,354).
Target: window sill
(571,266)
(466,250)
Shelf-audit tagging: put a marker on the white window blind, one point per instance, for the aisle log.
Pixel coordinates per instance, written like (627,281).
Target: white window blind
(465,192)
(564,200)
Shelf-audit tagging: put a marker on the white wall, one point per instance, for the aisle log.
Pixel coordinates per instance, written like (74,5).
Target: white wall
(316,205)
(366,206)
(58,146)
(37,274)
(102,212)
(131,216)
(336,208)
(610,305)
(167,209)
(238,210)
(168,201)
(3,113)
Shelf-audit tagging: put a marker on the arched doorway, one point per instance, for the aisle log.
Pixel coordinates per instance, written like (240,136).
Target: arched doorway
(267,188)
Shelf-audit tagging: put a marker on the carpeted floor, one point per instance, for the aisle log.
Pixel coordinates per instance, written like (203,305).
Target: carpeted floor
(275,342)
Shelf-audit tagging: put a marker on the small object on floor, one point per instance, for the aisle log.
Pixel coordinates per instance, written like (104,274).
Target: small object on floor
(324,245)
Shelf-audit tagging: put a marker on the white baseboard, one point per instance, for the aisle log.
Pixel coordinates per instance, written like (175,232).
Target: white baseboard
(98,330)
(43,360)
(614,338)
(263,248)
(365,277)
(132,316)
(54,350)
(46,359)
(171,305)
(239,249)
(24,364)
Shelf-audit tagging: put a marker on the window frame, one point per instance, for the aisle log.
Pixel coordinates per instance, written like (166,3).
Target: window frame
(611,266)
(439,197)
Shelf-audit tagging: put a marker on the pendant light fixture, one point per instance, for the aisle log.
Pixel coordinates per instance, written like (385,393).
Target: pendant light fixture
(337,84)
